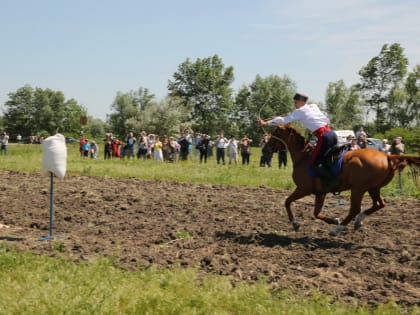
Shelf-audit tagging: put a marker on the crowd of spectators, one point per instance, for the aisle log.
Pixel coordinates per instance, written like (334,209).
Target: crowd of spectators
(360,141)
(189,146)
(200,147)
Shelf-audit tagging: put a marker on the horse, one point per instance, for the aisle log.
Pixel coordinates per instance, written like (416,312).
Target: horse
(362,170)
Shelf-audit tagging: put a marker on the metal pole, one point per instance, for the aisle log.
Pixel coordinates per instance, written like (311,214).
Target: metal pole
(51,204)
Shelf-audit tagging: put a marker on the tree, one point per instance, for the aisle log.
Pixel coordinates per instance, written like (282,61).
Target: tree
(343,105)
(204,88)
(127,111)
(96,127)
(379,78)
(412,88)
(32,111)
(264,98)
(165,118)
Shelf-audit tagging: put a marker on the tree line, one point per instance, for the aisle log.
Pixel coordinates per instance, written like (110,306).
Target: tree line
(200,97)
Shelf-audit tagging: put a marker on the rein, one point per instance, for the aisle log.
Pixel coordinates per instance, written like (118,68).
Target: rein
(281,140)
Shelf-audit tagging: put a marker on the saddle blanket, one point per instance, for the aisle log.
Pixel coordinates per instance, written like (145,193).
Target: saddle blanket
(335,167)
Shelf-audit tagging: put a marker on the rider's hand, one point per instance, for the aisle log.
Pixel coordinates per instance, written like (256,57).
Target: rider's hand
(262,122)
(308,147)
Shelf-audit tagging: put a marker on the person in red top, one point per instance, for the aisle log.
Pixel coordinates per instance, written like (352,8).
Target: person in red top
(313,119)
(82,143)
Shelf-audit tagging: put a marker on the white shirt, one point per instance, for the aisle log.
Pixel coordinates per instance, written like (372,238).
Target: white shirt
(233,146)
(309,115)
(221,142)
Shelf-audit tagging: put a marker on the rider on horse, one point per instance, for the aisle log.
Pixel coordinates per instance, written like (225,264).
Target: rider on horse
(313,119)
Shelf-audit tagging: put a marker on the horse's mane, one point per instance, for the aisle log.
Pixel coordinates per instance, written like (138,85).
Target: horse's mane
(300,140)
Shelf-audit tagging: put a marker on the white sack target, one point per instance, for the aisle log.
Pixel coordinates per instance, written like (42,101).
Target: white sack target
(55,156)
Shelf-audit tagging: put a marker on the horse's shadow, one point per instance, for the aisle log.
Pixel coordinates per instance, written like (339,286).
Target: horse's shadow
(272,240)
(311,243)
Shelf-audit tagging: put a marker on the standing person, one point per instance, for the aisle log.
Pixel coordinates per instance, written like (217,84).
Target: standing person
(221,143)
(361,141)
(265,159)
(142,147)
(172,147)
(157,150)
(397,146)
(184,147)
(313,119)
(86,149)
(203,146)
(354,144)
(82,142)
(150,146)
(361,132)
(129,147)
(165,148)
(210,147)
(245,149)
(116,147)
(195,141)
(94,149)
(4,140)
(233,150)
(108,149)
(385,147)
(283,157)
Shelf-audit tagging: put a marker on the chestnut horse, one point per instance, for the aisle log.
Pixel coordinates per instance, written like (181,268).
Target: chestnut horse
(363,170)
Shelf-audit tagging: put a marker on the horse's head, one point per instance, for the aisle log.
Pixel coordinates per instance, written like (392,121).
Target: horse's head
(284,136)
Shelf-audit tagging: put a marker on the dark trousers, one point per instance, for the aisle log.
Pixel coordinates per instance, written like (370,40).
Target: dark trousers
(325,142)
(220,155)
(265,160)
(282,158)
(245,157)
(203,156)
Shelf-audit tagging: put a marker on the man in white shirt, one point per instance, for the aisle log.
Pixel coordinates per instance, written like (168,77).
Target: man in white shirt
(4,140)
(221,144)
(313,119)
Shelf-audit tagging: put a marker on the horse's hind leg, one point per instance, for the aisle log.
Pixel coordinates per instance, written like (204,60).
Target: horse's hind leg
(377,204)
(319,203)
(355,204)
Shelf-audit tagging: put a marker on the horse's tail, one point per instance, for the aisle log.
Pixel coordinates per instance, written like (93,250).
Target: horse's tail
(399,162)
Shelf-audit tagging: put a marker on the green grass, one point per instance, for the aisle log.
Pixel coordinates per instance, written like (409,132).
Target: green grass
(29,158)
(43,285)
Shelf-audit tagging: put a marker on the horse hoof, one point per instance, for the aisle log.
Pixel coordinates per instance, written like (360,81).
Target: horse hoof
(337,230)
(357,225)
(296,226)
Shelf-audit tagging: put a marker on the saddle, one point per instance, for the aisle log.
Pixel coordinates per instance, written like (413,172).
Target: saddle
(333,160)
(334,156)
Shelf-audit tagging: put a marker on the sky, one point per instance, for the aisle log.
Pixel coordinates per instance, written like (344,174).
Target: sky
(93,49)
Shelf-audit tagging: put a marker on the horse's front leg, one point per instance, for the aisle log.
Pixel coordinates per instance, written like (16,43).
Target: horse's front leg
(319,203)
(297,194)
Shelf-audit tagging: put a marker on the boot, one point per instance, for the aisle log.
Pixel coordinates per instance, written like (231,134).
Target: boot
(328,181)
